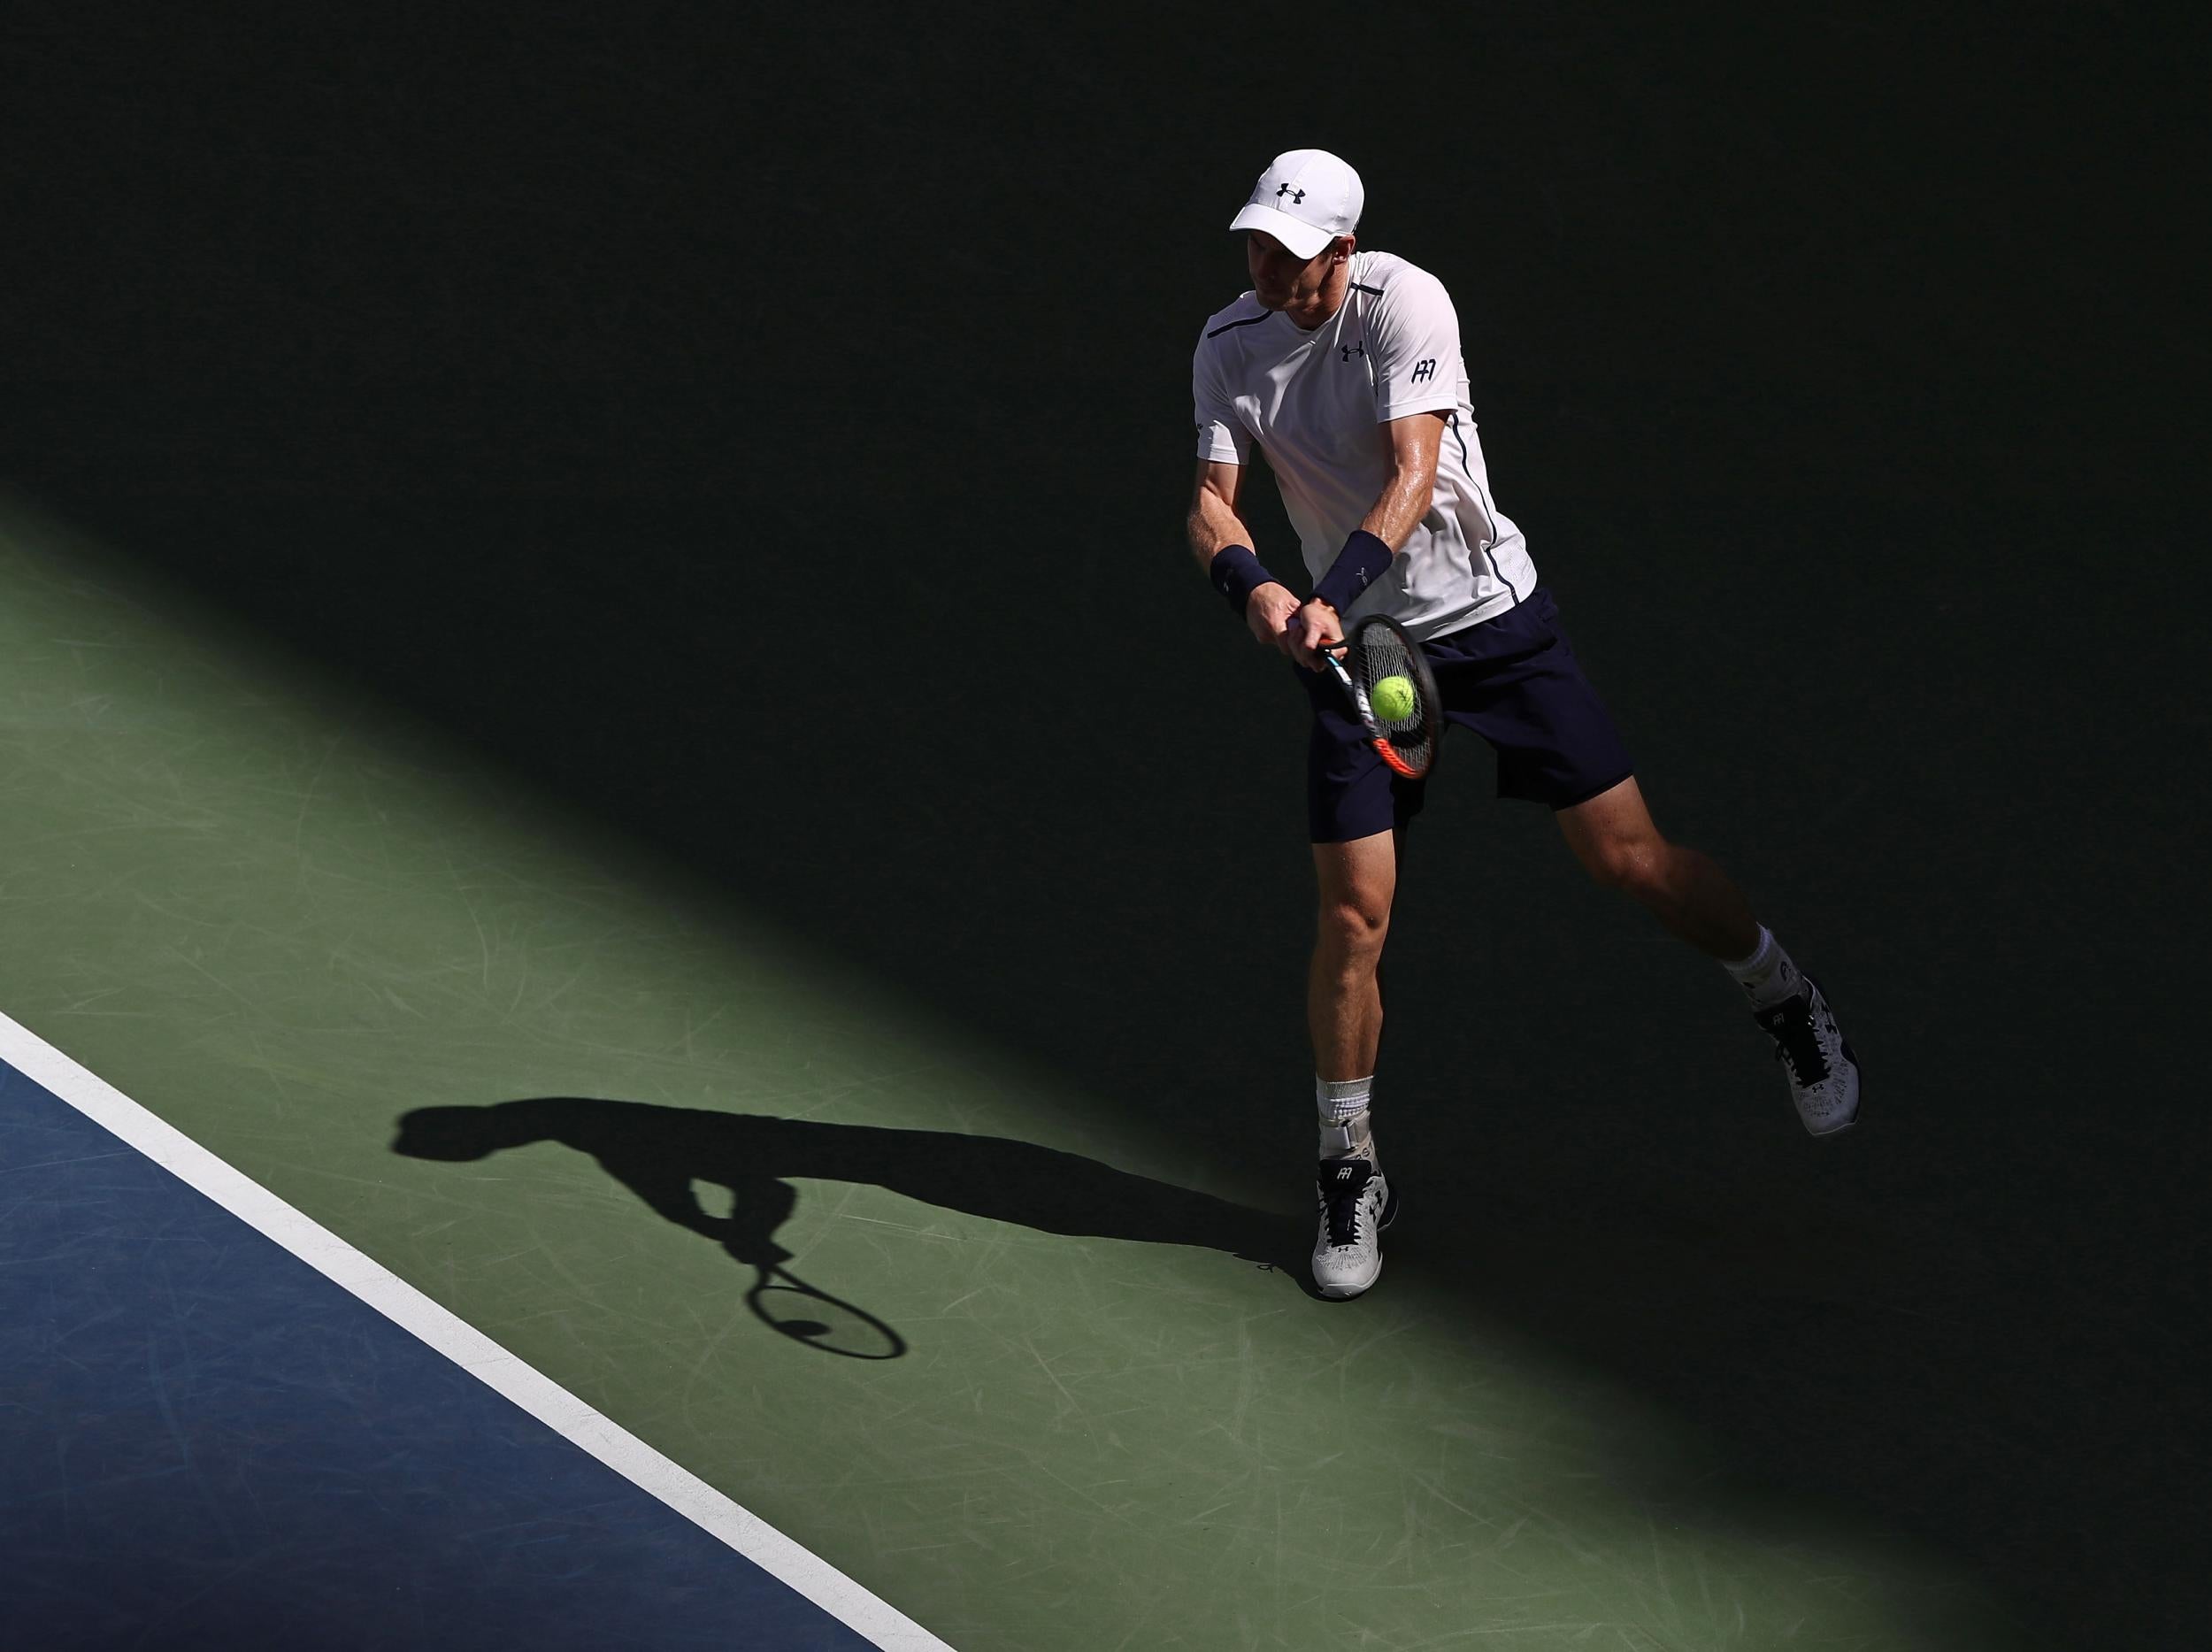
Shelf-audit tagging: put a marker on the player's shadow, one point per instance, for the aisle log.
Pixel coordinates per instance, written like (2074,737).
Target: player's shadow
(665,1154)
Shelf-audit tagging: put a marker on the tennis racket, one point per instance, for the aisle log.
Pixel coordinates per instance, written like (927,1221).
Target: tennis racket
(1379,662)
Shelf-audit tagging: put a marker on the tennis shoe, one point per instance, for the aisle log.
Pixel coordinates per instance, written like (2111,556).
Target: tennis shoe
(1823,1074)
(1356,1204)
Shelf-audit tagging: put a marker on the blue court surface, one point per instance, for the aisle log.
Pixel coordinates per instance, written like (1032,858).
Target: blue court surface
(211,1444)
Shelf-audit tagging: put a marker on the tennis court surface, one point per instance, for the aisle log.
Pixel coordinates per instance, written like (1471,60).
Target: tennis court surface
(1058,1385)
(653,935)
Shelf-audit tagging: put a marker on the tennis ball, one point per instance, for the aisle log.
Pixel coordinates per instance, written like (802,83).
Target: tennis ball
(1392,699)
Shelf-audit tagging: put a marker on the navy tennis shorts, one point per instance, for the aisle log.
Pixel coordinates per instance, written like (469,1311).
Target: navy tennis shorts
(1515,681)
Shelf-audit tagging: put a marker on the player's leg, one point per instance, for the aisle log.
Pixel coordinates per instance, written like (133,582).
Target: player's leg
(1517,681)
(1355,810)
(1614,837)
(1355,883)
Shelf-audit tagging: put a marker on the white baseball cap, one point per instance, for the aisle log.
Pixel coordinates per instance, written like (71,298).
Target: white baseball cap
(1305,199)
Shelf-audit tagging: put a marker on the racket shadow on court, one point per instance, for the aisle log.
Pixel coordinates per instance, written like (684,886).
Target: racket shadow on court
(663,1154)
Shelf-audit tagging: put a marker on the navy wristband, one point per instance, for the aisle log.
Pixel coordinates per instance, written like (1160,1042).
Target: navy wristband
(1236,573)
(1363,557)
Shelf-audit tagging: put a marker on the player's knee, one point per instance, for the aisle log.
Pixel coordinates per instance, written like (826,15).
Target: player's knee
(1632,866)
(1355,927)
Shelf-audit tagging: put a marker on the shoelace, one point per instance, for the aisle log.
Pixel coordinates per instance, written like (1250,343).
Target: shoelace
(1797,1042)
(1345,1203)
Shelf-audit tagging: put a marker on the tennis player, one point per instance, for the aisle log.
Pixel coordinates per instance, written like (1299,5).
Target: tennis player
(1344,368)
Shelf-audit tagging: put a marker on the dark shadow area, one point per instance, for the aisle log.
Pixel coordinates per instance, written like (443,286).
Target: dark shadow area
(1842,370)
(661,1153)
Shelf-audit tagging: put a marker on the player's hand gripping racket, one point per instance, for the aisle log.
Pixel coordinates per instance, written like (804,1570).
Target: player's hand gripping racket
(1390,687)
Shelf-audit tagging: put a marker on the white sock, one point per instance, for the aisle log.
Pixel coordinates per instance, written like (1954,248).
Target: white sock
(1767,976)
(1347,1131)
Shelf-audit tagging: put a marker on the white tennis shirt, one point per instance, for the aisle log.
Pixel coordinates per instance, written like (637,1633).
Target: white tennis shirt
(1316,403)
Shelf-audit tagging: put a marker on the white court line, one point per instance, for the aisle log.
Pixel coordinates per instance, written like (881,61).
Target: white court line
(464,1345)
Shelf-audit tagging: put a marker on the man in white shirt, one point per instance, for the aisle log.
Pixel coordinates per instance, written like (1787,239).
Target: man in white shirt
(1344,367)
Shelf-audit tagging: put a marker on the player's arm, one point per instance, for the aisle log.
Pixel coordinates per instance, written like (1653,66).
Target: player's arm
(1406,496)
(1223,545)
(1407,493)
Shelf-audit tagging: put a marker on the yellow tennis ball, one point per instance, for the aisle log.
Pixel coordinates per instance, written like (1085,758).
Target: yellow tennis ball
(1392,699)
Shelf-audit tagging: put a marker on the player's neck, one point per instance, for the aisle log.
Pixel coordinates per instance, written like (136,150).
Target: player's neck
(1326,301)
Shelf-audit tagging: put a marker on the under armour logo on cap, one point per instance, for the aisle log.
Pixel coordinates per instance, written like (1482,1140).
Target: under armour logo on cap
(1295,196)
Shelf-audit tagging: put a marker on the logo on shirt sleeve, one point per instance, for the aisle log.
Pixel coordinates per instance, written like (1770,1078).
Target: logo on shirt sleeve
(1425,369)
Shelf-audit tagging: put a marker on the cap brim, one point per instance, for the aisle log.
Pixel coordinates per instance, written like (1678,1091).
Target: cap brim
(1304,239)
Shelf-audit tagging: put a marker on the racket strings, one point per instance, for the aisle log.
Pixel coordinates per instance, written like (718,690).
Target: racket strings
(1382,652)
(1380,657)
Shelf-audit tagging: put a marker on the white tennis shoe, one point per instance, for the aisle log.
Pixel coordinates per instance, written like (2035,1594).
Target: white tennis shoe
(1356,1204)
(1823,1073)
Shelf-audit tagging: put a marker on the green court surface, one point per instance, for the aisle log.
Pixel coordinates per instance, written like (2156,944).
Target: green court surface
(283,920)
